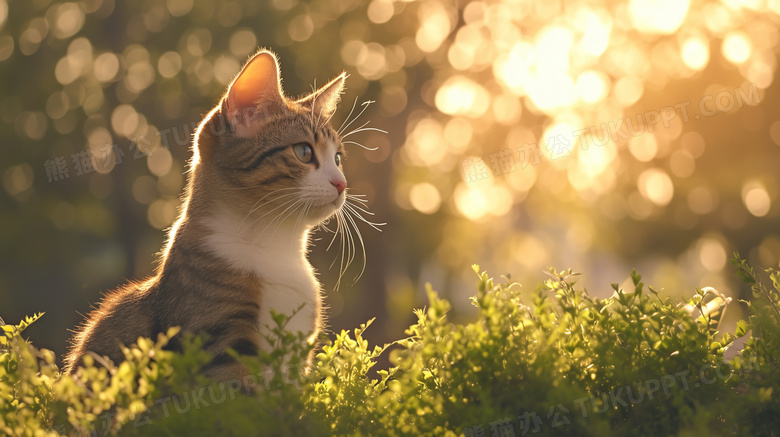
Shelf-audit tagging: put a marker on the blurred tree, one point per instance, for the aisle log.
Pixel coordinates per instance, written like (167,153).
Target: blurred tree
(592,135)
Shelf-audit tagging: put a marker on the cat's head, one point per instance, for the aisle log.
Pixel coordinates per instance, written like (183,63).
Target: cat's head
(270,159)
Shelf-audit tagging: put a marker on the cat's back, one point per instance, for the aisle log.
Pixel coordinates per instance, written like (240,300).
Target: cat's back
(195,290)
(121,317)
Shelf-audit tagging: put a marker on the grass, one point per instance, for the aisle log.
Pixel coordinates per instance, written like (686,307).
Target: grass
(554,361)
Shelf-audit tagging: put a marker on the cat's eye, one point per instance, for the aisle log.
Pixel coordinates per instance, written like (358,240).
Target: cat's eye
(304,152)
(338,159)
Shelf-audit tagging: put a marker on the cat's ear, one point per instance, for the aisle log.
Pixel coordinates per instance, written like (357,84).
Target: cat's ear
(254,94)
(323,101)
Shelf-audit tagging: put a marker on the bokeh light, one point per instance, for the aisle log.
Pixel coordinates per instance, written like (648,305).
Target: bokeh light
(594,135)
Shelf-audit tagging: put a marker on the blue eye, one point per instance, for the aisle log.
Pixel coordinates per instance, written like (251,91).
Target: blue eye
(304,152)
(338,159)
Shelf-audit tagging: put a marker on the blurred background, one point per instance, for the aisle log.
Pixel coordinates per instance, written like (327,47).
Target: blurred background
(596,135)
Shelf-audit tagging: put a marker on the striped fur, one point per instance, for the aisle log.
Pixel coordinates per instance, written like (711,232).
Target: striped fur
(238,248)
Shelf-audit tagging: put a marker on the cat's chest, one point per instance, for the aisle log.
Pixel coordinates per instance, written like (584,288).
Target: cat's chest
(288,284)
(289,287)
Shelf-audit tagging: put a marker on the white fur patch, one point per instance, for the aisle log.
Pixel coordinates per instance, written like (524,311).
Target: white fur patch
(279,261)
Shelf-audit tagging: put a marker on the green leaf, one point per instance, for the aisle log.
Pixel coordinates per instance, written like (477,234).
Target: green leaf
(741,329)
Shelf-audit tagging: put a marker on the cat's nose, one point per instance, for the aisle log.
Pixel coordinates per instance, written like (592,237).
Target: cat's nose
(340,184)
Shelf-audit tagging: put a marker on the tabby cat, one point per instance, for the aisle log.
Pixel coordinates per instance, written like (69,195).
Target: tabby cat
(265,170)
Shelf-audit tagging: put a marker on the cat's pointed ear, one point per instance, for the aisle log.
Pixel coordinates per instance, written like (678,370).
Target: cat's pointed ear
(323,102)
(254,94)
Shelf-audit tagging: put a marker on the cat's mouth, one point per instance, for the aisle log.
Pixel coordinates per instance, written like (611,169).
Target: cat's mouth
(329,207)
(336,204)
(332,202)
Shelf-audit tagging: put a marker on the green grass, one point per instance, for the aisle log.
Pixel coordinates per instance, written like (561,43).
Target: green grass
(550,362)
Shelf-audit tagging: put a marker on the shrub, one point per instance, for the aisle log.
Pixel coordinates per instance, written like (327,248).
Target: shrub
(555,361)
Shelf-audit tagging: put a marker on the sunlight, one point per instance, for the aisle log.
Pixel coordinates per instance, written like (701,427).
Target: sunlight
(712,255)
(658,16)
(458,133)
(514,69)
(555,43)
(462,96)
(756,198)
(596,160)
(628,90)
(736,47)
(471,202)
(695,52)
(596,27)
(425,145)
(425,198)
(549,92)
(656,186)
(435,26)
(644,147)
(592,86)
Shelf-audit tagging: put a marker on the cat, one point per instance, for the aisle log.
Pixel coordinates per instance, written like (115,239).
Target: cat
(265,170)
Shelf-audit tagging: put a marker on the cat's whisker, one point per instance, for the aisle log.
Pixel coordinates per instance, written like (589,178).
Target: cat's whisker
(359,127)
(363,219)
(279,223)
(256,207)
(325,226)
(258,186)
(358,144)
(335,233)
(349,246)
(360,206)
(317,125)
(348,115)
(302,214)
(362,243)
(314,100)
(305,205)
(282,205)
(347,217)
(350,240)
(365,106)
(334,239)
(290,203)
(339,230)
(327,120)
(293,205)
(343,246)
(339,221)
(280,218)
(364,129)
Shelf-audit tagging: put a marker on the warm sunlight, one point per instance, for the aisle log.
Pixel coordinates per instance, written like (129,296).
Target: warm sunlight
(359,151)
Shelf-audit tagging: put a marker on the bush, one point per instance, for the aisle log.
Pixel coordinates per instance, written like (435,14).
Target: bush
(564,363)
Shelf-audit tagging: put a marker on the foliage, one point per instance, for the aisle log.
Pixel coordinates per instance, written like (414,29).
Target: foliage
(10,331)
(564,363)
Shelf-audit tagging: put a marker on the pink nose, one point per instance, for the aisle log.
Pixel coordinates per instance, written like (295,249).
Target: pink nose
(340,184)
